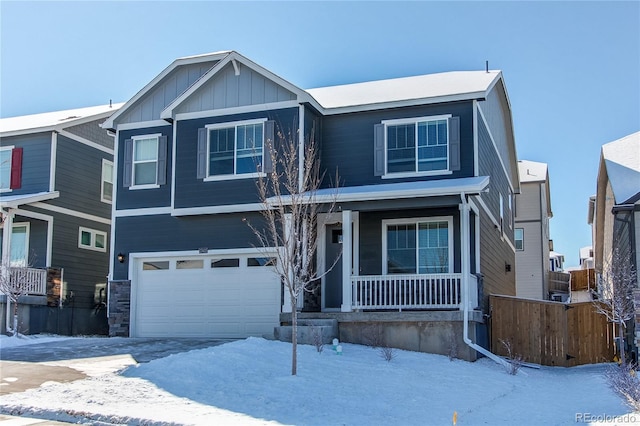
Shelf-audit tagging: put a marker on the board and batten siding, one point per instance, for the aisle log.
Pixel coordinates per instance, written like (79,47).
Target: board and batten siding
(159,233)
(228,90)
(36,162)
(348,143)
(149,107)
(144,198)
(193,192)
(79,178)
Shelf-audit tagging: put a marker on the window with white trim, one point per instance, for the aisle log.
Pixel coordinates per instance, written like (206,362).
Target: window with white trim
(236,149)
(518,235)
(145,160)
(19,244)
(5,168)
(106,188)
(418,246)
(417,145)
(92,239)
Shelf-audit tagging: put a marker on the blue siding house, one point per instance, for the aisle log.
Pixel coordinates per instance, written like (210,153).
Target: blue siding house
(424,222)
(56,192)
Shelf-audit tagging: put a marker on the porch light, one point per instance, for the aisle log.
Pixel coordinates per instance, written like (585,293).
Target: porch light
(121,257)
(507,267)
(339,350)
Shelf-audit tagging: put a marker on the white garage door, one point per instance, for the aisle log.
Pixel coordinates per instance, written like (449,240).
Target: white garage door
(225,297)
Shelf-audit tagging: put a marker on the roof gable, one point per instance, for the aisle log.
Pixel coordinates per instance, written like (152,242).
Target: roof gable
(226,76)
(621,159)
(234,85)
(149,102)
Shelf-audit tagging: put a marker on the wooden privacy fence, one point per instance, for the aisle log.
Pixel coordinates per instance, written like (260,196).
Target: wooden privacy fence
(550,333)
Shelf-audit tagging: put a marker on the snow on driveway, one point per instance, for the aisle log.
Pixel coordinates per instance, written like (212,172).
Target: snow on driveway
(249,382)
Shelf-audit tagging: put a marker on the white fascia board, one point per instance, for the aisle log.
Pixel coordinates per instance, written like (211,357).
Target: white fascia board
(59,127)
(73,213)
(405,103)
(167,113)
(236,110)
(13,201)
(143,125)
(87,142)
(197,253)
(151,211)
(395,191)
(231,208)
(176,63)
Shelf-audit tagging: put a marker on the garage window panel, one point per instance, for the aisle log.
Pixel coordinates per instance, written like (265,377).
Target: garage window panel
(226,263)
(190,264)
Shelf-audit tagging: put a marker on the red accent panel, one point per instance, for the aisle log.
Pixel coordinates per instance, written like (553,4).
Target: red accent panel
(16,168)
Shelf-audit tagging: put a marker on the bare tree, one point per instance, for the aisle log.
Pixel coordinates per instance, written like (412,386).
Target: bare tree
(291,212)
(15,282)
(614,295)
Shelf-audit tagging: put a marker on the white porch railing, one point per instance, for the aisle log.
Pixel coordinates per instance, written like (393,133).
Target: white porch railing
(31,281)
(426,291)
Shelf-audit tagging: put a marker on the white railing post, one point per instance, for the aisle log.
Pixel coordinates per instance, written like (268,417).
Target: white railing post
(347,243)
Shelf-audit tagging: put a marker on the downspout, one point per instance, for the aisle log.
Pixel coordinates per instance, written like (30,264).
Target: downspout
(466,290)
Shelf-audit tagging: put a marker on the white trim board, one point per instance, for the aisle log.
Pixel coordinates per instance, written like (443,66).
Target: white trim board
(86,142)
(73,213)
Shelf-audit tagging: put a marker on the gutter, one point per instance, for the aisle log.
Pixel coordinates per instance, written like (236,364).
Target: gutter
(466,295)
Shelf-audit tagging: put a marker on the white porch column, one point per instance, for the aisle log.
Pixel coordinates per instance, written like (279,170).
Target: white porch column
(347,244)
(6,257)
(465,255)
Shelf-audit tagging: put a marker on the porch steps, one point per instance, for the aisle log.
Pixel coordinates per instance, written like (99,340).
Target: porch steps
(306,328)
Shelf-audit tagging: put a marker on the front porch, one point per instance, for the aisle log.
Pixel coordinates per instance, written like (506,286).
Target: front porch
(411,292)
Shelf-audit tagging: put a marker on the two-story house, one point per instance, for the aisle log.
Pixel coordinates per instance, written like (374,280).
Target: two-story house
(614,214)
(56,192)
(532,214)
(423,224)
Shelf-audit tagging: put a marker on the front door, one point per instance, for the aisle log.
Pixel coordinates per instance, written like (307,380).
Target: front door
(333,279)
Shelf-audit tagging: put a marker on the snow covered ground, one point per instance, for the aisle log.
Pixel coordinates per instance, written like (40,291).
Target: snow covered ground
(249,382)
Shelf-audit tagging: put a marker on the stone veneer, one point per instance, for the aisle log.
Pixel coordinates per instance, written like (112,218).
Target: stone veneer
(119,308)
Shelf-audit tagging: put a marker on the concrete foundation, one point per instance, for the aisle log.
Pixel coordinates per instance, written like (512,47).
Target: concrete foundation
(436,332)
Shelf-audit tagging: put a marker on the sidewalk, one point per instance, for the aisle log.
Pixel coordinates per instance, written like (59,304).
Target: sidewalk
(23,421)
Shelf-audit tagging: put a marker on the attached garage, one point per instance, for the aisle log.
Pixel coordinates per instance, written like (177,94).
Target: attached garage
(226,296)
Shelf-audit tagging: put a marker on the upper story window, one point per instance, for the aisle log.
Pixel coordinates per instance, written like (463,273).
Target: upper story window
(145,161)
(233,150)
(10,168)
(106,189)
(92,239)
(518,235)
(417,146)
(418,246)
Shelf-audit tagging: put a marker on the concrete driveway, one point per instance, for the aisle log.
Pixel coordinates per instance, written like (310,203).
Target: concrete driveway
(65,360)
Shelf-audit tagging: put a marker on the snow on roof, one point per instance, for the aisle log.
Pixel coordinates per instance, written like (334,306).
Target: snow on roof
(622,160)
(53,119)
(531,171)
(465,84)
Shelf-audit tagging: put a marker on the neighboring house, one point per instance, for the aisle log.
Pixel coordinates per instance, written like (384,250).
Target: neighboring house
(56,191)
(427,167)
(556,261)
(615,211)
(586,257)
(532,214)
